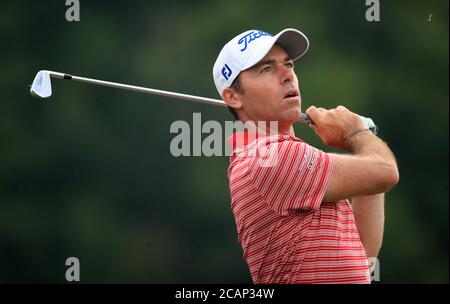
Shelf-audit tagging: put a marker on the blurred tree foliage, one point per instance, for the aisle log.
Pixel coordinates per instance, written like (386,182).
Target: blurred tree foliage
(88,173)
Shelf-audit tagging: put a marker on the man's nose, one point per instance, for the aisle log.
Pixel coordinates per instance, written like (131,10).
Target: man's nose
(287,75)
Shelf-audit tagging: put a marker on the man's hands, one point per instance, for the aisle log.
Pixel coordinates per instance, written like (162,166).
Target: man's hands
(334,126)
(371,167)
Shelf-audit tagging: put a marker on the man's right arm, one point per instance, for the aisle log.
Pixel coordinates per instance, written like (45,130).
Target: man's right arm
(371,167)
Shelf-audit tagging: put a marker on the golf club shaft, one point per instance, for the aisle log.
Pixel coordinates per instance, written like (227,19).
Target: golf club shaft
(139,89)
(217,102)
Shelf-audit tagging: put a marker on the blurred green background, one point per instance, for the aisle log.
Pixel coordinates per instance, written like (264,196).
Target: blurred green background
(88,173)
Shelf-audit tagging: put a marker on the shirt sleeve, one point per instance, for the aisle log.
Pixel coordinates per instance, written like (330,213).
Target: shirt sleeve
(290,175)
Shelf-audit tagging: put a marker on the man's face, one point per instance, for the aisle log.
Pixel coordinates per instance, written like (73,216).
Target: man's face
(270,90)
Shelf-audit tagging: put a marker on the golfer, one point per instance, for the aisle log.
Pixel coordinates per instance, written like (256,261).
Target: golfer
(294,218)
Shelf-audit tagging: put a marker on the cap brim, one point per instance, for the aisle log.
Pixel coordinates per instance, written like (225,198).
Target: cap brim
(293,42)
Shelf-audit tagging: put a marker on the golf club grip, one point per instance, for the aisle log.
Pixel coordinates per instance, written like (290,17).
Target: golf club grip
(305,119)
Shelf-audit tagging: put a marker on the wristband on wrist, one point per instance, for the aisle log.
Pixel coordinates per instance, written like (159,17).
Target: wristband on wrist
(347,141)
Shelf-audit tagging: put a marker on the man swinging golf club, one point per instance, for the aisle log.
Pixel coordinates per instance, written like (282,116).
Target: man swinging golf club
(294,220)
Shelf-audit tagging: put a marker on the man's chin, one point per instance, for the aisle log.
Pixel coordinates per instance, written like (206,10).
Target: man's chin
(288,118)
(293,115)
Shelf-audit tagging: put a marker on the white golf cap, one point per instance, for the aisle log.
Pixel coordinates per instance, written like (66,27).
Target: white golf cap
(248,48)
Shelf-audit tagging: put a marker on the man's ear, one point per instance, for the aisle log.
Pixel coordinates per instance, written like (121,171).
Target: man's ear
(232,98)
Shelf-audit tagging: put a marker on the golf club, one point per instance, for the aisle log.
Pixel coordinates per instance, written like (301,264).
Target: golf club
(42,88)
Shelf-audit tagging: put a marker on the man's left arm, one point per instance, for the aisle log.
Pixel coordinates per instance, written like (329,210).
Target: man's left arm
(369,218)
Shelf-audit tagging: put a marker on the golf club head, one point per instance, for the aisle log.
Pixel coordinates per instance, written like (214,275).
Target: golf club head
(42,86)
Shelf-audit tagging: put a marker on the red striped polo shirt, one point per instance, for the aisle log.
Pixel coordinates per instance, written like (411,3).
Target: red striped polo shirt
(288,235)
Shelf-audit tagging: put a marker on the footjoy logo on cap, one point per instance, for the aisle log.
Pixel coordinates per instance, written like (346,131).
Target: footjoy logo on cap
(250,37)
(226,71)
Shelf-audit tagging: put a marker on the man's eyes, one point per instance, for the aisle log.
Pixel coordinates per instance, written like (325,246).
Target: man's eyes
(290,64)
(269,67)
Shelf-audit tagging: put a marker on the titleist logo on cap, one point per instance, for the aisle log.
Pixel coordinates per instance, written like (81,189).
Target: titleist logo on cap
(246,39)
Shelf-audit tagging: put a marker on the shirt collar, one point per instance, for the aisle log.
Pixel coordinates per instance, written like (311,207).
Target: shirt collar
(242,138)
